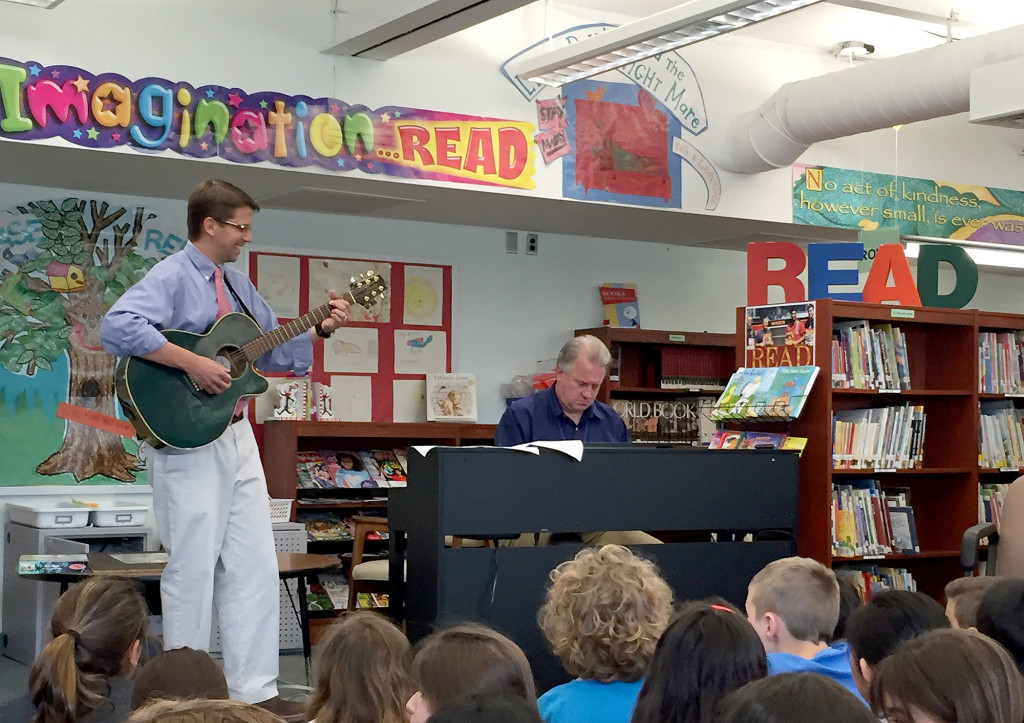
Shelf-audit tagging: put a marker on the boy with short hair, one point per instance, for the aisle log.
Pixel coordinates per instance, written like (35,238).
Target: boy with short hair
(963,596)
(793,605)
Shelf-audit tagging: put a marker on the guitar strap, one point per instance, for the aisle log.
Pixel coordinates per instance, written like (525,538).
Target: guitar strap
(240,302)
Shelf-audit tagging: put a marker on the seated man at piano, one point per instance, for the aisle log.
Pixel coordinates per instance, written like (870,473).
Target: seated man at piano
(567,410)
(210,499)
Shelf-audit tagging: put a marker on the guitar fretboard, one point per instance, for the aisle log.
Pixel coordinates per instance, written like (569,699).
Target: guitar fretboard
(271,340)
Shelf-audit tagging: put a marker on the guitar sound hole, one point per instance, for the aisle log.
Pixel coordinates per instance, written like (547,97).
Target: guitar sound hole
(225,362)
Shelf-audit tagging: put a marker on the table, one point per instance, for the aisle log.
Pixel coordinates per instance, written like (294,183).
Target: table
(146,567)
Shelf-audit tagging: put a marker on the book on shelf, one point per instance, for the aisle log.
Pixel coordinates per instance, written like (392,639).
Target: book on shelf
(869,579)
(689,367)
(621,308)
(725,439)
(389,466)
(324,526)
(869,356)
(451,398)
(684,421)
(890,437)
(312,472)
(990,502)
(317,599)
(765,393)
(1001,362)
(377,477)
(336,588)
(761,440)
(1002,435)
(904,529)
(735,439)
(349,470)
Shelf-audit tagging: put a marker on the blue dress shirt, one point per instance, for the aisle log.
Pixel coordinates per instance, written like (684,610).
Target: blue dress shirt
(540,417)
(178,293)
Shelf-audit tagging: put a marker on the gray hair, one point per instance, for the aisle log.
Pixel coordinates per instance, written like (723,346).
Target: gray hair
(592,349)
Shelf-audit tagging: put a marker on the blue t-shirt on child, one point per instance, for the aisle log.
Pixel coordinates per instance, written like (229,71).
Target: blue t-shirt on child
(589,701)
(832,662)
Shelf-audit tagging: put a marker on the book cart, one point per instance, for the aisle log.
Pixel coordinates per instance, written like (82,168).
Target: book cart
(942,355)
(283,440)
(682,371)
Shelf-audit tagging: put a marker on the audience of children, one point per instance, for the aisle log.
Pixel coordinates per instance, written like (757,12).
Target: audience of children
(84,672)
(708,650)
(793,605)
(794,698)
(179,674)
(465,660)
(963,596)
(948,676)
(602,616)
(1001,616)
(849,600)
(363,672)
(607,616)
(876,628)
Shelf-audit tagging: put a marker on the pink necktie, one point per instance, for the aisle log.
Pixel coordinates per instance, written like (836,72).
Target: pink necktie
(223,305)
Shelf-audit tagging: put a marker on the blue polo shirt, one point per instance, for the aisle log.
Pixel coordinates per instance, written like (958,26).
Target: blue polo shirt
(540,418)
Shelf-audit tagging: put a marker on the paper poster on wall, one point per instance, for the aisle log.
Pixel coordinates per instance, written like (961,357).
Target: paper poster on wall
(352,349)
(420,351)
(352,398)
(327,274)
(277,285)
(410,400)
(424,293)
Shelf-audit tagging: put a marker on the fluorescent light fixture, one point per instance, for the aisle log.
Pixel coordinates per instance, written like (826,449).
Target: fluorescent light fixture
(668,30)
(983,254)
(44,4)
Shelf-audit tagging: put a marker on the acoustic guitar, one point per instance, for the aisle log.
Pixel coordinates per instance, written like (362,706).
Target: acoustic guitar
(168,409)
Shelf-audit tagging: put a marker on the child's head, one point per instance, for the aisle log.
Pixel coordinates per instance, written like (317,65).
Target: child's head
(604,612)
(202,710)
(849,600)
(948,676)
(466,660)
(488,709)
(182,673)
(363,672)
(793,598)
(877,627)
(97,628)
(1001,616)
(708,651)
(963,596)
(794,698)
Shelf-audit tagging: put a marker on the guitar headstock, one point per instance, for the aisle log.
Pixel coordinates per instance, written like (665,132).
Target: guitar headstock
(367,288)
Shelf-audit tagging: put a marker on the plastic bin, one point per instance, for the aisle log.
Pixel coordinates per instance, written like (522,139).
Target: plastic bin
(50,514)
(118,513)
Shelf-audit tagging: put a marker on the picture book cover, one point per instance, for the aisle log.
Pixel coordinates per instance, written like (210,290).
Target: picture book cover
(788,392)
(762,440)
(390,467)
(621,308)
(377,477)
(451,398)
(904,531)
(726,439)
(350,472)
(317,470)
(780,335)
(733,402)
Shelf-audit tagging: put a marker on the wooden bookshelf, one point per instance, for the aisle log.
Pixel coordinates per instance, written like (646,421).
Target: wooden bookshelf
(283,439)
(641,352)
(943,358)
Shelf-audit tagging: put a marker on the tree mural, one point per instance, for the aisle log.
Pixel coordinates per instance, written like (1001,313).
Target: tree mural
(52,302)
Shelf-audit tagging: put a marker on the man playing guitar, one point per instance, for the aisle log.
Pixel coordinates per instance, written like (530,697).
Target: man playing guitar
(211,501)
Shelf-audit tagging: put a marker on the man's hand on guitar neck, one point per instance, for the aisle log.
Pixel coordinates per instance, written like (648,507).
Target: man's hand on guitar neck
(207,374)
(340,313)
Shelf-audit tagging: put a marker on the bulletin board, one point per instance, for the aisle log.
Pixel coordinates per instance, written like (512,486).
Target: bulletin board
(377,363)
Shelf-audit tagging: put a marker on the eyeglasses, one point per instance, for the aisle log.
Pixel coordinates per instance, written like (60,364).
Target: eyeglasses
(243,227)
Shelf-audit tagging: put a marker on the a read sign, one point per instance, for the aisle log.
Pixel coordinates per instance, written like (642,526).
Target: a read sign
(889,263)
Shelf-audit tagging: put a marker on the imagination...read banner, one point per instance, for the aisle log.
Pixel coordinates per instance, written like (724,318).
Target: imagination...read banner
(154,114)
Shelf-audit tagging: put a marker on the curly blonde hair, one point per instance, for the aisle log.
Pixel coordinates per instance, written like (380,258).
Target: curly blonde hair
(604,612)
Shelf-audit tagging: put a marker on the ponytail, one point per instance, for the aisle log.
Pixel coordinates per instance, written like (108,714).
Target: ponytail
(93,628)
